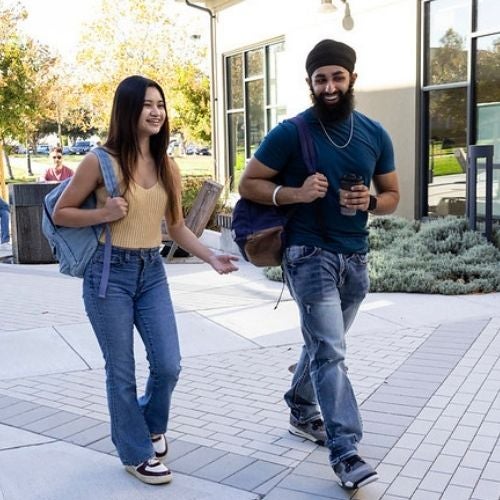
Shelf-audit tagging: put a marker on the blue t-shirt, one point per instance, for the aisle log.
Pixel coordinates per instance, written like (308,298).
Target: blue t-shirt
(320,223)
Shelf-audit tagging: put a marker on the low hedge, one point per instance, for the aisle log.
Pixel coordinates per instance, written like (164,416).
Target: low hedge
(439,256)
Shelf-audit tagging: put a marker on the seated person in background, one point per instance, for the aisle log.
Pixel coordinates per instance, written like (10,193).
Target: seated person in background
(58,172)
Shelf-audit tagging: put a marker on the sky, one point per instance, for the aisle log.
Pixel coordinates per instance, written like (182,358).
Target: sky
(57,23)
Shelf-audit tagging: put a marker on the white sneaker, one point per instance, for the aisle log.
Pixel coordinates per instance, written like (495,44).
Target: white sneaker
(160,445)
(6,247)
(151,471)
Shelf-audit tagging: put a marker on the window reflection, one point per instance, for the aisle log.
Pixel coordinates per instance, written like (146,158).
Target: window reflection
(236,146)
(488,115)
(255,63)
(447,152)
(276,83)
(448,29)
(488,15)
(235,82)
(255,101)
(255,114)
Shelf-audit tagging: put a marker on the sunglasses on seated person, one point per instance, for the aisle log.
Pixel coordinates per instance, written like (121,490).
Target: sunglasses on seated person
(57,156)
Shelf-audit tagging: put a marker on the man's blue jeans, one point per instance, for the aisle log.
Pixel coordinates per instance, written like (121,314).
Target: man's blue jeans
(137,294)
(328,289)
(4,222)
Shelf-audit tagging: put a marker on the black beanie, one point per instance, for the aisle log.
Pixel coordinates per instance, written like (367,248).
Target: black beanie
(329,53)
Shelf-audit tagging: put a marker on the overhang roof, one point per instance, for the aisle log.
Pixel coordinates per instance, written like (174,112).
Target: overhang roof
(214,5)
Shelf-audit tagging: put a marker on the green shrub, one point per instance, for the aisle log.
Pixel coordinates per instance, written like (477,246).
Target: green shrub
(440,256)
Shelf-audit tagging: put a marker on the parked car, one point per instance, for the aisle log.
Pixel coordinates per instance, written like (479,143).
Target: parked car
(191,149)
(42,149)
(19,149)
(66,150)
(203,152)
(81,147)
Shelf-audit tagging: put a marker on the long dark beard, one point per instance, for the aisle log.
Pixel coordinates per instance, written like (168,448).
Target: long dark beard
(338,112)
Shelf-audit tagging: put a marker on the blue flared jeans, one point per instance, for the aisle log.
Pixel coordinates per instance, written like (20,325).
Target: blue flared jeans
(137,294)
(4,222)
(328,289)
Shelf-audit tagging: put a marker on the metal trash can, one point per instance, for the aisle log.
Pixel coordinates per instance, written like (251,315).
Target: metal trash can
(29,245)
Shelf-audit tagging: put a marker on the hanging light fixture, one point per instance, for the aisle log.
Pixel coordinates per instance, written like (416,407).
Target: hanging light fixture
(348,21)
(327,6)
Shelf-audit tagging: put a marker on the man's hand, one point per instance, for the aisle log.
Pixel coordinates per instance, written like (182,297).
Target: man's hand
(358,198)
(315,186)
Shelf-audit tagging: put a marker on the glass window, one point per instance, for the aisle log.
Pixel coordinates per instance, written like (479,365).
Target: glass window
(276,84)
(488,92)
(254,63)
(236,145)
(255,114)
(481,190)
(455,95)
(448,28)
(275,115)
(235,82)
(447,152)
(275,62)
(488,15)
(488,116)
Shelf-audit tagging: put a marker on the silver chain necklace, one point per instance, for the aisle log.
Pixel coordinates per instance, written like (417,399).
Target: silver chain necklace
(332,141)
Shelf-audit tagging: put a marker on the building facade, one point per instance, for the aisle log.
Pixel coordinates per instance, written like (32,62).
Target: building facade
(428,70)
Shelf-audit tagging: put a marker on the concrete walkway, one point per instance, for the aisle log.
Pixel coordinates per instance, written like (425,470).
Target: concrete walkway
(425,368)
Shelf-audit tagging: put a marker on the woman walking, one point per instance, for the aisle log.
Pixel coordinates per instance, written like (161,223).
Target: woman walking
(137,291)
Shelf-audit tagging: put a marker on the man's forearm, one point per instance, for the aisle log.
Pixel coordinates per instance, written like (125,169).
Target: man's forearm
(387,203)
(262,190)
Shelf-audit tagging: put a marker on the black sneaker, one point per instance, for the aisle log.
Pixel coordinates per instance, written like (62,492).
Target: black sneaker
(354,472)
(314,430)
(151,471)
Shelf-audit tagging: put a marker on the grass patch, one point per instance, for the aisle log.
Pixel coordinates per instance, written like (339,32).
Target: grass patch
(188,165)
(441,256)
(446,165)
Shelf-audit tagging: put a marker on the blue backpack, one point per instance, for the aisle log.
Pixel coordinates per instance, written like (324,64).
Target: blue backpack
(259,230)
(73,247)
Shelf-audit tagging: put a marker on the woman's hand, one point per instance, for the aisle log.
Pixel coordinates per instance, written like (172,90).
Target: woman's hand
(223,263)
(115,208)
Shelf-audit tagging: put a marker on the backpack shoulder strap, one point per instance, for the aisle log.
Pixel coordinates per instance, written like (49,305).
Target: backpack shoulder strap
(108,173)
(306,143)
(109,177)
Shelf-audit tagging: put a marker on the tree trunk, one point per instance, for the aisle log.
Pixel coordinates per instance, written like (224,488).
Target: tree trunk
(9,166)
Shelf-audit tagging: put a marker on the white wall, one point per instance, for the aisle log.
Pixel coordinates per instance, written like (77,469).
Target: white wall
(385,37)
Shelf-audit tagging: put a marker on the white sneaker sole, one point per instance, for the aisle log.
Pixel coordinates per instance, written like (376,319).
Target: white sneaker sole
(149,479)
(364,482)
(368,480)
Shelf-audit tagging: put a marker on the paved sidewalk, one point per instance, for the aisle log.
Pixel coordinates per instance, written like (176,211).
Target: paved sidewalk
(425,368)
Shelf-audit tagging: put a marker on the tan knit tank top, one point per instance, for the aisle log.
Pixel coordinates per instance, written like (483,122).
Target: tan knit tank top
(141,227)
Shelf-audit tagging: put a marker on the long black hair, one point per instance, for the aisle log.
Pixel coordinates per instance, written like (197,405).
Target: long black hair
(123,140)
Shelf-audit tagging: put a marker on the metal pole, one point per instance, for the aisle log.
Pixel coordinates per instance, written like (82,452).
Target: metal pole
(474,153)
(213,81)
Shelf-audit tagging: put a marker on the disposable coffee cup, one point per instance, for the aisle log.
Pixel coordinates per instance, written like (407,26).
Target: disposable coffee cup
(346,183)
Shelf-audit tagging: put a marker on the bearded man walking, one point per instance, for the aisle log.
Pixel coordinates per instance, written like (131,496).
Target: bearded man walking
(325,259)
